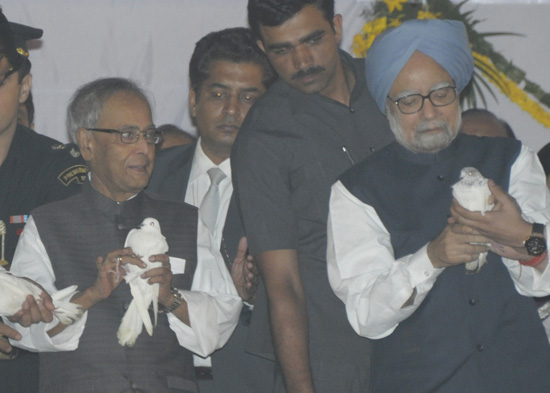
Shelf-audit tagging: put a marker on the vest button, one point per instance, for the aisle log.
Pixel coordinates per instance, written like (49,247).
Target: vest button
(480,347)
(372,149)
(352,110)
(472,302)
(440,177)
(120,227)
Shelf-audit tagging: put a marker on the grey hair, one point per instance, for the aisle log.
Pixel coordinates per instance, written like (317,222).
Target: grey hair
(87,102)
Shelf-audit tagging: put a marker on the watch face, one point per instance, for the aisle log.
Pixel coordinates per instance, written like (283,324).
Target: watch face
(535,245)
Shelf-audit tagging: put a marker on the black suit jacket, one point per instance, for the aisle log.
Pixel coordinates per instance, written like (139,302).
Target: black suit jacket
(234,370)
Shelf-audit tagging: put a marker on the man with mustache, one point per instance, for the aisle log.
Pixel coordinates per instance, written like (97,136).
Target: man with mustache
(80,241)
(396,256)
(309,127)
(228,74)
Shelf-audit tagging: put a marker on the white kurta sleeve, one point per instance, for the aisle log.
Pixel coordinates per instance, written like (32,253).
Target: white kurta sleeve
(31,260)
(363,271)
(528,187)
(213,302)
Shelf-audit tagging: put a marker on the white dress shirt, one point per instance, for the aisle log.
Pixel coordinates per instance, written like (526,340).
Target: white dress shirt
(213,303)
(374,286)
(197,187)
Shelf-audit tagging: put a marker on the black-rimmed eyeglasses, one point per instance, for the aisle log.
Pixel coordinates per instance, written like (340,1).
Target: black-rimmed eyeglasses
(131,135)
(415,102)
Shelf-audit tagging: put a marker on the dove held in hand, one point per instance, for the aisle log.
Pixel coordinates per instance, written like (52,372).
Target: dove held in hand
(144,241)
(472,192)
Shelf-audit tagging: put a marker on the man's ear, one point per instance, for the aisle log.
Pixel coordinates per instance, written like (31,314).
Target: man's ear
(25,88)
(193,102)
(337,26)
(86,143)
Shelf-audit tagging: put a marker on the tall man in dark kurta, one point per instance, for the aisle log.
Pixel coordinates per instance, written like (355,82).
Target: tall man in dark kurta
(395,257)
(311,125)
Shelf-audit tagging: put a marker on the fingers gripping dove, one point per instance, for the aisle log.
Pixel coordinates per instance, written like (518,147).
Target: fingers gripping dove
(144,241)
(15,290)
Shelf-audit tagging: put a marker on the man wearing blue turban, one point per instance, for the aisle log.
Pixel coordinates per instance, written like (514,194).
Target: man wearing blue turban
(398,241)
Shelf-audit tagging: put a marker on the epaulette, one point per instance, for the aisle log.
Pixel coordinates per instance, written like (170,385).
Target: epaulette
(73,151)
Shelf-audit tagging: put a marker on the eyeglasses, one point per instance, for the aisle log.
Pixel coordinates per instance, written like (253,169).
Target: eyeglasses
(415,102)
(131,135)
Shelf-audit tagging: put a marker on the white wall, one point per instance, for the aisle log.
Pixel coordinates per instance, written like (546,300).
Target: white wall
(152,41)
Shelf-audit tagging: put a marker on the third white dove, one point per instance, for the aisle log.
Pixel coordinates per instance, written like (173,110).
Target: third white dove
(15,290)
(144,241)
(472,192)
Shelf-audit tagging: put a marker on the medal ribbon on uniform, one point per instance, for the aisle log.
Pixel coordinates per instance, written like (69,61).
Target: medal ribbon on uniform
(3,231)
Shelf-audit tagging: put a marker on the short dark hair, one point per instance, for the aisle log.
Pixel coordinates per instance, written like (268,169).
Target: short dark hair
(484,113)
(276,12)
(235,45)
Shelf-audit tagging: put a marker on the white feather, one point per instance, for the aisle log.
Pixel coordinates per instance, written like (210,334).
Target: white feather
(472,192)
(15,290)
(144,241)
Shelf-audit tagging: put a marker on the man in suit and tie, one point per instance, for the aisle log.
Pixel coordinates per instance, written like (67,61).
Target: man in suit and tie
(228,73)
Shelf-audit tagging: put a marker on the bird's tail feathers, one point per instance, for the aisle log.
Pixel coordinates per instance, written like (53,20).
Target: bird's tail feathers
(65,311)
(130,327)
(142,304)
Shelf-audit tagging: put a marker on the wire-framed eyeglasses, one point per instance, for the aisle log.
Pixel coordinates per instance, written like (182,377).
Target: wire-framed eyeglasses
(415,102)
(129,135)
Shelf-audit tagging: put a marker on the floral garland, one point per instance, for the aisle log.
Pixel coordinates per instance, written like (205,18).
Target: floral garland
(489,65)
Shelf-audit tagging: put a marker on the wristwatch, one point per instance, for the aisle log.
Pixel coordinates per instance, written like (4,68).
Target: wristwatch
(178,300)
(535,244)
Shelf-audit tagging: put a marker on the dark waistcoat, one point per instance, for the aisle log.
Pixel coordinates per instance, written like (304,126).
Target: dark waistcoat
(473,332)
(75,232)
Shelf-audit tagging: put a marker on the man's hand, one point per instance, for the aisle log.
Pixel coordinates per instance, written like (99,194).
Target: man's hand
(7,332)
(453,246)
(33,311)
(161,275)
(244,272)
(504,224)
(110,272)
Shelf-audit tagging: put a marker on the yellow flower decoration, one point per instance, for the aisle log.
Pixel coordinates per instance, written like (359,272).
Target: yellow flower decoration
(427,15)
(363,41)
(394,22)
(514,92)
(395,4)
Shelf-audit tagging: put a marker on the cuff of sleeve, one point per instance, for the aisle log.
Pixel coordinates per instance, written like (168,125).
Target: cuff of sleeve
(422,273)
(541,279)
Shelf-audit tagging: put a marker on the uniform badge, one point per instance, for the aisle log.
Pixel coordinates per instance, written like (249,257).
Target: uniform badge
(75,173)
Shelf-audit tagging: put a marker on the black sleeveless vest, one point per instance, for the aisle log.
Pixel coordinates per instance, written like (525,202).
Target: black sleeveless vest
(473,332)
(75,232)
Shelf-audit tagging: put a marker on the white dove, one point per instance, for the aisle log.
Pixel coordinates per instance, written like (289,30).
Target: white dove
(472,192)
(15,290)
(144,241)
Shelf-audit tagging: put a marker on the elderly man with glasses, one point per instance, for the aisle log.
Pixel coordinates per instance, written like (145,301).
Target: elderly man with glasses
(81,241)
(398,242)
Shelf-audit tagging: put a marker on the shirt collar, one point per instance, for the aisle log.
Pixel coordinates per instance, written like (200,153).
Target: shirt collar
(202,163)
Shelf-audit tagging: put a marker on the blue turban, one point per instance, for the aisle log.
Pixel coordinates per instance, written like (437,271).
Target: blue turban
(445,41)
